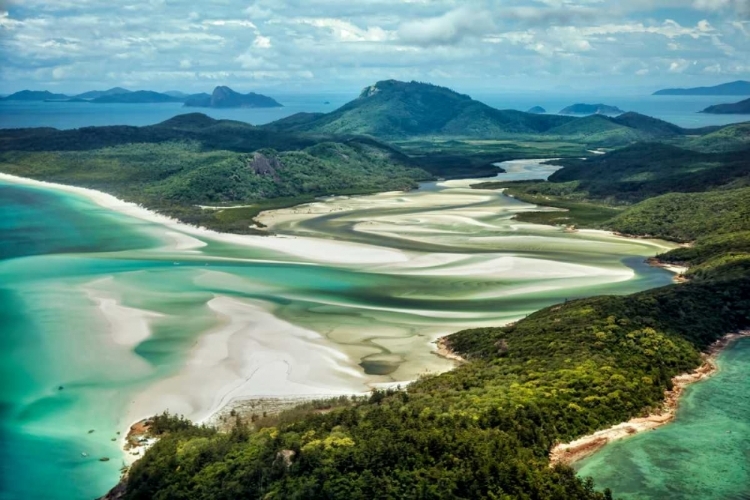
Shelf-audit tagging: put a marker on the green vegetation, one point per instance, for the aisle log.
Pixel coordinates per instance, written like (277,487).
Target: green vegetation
(399,110)
(729,138)
(480,431)
(685,217)
(457,158)
(642,171)
(193,160)
(574,211)
(738,108)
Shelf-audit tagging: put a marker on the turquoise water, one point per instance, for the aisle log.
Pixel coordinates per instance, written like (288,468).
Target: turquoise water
(65,372)
(704,453)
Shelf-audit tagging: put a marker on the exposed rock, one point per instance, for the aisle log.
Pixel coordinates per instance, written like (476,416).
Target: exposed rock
(264,165)
(286,457)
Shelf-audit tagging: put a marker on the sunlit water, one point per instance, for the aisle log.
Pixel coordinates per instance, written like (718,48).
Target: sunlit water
(704,453)
(104,318)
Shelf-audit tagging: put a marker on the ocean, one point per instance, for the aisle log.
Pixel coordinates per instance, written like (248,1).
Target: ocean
(680,110)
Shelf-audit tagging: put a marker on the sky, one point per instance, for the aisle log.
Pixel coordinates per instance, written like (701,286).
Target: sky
(331,45)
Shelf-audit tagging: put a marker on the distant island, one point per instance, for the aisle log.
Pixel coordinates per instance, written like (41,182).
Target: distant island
(224,97)
(35,95)
(740,87)
(138,97)
(591,109)
(737,108)
(95,94)
(537,110)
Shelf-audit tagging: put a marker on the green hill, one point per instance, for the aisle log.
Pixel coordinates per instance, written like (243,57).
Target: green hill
(396,110)
(738,108)
(645,170)
(195,160)
(687,216)
(729,138)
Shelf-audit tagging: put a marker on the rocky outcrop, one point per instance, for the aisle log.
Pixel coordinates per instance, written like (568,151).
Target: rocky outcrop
(265,165)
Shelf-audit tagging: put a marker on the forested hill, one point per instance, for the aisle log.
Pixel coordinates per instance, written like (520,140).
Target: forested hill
(737,108)
(394,110)
(193,160)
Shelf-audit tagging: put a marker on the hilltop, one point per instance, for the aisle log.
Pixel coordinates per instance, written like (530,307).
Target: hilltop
(395,110)
(737,108)
(224,97)
(739,87)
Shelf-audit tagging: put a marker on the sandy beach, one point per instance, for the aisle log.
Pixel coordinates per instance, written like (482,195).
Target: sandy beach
(568,453)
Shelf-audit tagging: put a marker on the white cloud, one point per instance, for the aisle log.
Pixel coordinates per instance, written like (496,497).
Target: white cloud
(262,42)
(450,28)
(80,44)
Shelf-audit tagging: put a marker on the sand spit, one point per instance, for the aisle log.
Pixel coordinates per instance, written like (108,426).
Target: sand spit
(579,449)
(128,326)
(251,354)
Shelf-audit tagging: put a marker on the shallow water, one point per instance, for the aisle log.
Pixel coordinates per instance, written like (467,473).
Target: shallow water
(104,317)
(704,453)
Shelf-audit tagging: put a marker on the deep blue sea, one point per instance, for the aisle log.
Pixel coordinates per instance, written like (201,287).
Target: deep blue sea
(681,110)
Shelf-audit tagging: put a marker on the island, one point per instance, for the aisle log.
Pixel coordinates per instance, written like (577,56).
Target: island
(591,109)
(740,87)
(737,108)
(224,97)
(35,95)
(537,110)
(94,94)
(137,97)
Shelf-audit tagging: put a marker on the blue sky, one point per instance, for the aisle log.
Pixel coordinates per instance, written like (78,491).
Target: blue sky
(320,45)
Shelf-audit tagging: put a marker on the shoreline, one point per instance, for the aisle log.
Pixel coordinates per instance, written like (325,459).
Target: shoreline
(176,236)
(584,447)
(443,350)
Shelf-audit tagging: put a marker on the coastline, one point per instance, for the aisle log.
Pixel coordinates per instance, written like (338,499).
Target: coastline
(569,453)
(234,384)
